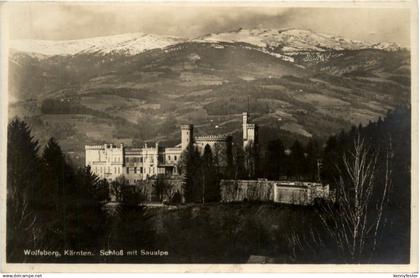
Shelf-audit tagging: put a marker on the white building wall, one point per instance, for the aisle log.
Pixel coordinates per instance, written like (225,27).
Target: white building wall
(172,155)
(150,162)
(106,161)
(251,134)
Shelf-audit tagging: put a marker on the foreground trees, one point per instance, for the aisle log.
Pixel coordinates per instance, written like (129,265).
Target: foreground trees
(200,174)
(356,224)
(49,204)
(296,162)
(371,169)
(23,181)
(189,166)
(53,205)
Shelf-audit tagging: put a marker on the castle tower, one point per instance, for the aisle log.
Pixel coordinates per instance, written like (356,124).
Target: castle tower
(250,145)
(249,131)
(187,137)
(244,123)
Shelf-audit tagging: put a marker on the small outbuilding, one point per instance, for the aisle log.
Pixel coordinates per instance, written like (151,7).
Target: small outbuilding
(285,192)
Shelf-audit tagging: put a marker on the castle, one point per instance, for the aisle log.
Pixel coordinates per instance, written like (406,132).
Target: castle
(109,161)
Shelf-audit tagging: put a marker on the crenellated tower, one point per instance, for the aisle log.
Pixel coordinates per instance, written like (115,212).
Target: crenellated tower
(187,136)
(249,131)
(244,130)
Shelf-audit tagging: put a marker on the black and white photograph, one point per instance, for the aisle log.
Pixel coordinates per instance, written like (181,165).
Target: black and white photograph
(141,133)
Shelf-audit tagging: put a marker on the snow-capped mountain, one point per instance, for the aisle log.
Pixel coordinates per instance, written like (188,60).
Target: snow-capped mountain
(99,95)
(127,44)
(272,41)
(294,40)
(389,46)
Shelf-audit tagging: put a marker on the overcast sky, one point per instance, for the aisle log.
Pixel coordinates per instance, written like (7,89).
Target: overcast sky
(74,21)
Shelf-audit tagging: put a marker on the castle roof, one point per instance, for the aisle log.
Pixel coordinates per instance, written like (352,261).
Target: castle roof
(212,138)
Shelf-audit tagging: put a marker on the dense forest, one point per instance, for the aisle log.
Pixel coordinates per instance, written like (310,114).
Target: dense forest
(53,205)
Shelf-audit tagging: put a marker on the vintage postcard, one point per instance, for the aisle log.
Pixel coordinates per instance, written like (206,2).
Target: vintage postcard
(209,136)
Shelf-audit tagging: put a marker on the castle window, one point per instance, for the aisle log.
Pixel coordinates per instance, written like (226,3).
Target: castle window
(175,157)
(169,157)
(119,171)
(141,170)
(141,159)
(127,160)
(135,170)
(128,170)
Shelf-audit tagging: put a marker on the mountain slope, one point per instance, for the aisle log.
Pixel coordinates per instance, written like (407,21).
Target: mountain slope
(294,40)
(128,44)
(86,98)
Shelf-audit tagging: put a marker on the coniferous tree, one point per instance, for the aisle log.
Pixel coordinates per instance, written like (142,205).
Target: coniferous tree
(49,204)
(229,171)
(22,187)
(251,160)
(275,160)
(313,154)
(54,203)
(210,177)
(331,156)
(189,166)
(86,213)
(297,160)
(71,210)
(239,171)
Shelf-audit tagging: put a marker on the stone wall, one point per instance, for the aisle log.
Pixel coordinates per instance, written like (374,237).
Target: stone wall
(246,190)
(285,192)
(292,195)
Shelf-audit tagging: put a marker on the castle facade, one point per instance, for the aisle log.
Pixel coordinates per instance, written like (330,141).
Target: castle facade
(109,161)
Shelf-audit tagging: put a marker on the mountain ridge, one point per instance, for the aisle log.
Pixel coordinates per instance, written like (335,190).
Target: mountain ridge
(286,41)
(94,97)
(292,40)
(129,43)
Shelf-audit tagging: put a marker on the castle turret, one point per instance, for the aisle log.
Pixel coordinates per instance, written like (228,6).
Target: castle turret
(252,137)
(186,136)
(249,131)
(244,123)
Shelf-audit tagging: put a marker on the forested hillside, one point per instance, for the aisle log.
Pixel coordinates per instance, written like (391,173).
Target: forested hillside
(53,205)
(296,84)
